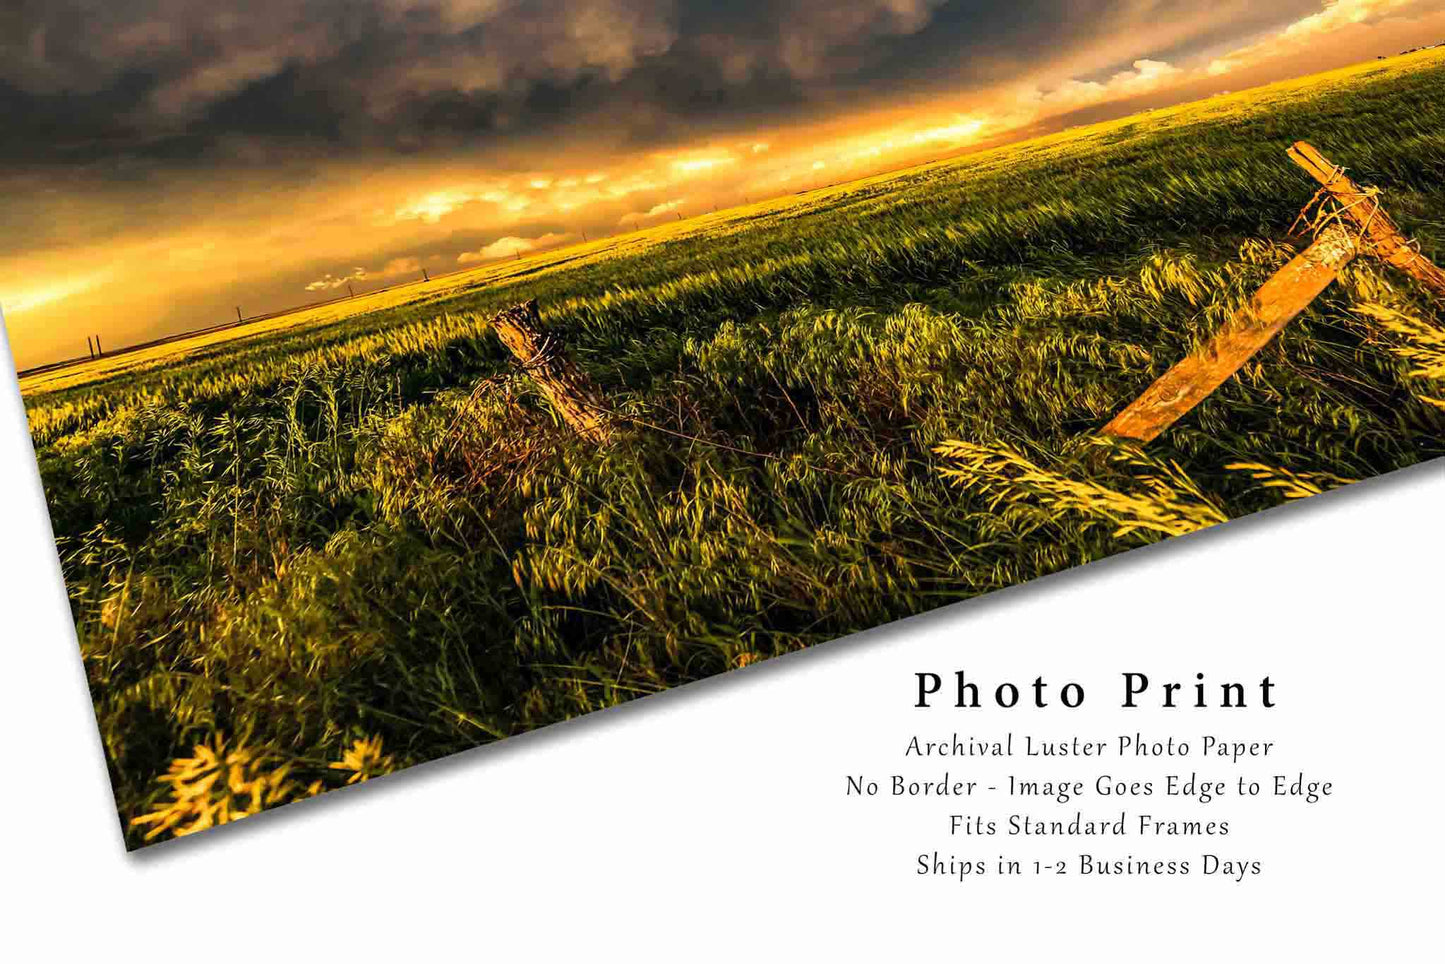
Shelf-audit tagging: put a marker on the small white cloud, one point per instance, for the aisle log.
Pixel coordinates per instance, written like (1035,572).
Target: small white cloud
(656,211)
(510,247)
(701,165)
(431,208)
(331,282)
(394,269)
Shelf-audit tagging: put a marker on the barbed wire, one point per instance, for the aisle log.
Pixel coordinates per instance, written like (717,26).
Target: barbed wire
(1332,206)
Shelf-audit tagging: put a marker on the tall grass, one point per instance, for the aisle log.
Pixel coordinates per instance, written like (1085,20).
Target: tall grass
(291,550)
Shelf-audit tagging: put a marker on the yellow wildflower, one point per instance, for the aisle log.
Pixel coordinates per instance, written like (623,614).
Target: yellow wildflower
(365,760)
(217,785)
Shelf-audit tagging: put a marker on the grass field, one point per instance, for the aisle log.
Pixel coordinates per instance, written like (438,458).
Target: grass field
(342,542)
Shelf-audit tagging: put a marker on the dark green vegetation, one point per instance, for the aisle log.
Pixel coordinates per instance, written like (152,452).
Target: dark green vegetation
(377,529)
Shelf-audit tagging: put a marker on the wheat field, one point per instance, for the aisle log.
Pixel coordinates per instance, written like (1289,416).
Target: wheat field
(312,551)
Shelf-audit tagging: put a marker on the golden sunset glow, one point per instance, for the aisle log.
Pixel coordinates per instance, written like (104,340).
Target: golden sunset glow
(405,376)
(25,301)
(140,261)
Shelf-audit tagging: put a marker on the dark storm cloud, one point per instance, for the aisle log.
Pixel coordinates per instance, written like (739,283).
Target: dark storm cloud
(127,86)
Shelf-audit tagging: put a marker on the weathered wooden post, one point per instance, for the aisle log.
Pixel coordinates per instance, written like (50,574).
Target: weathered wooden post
(573,395)
(1361,210)
(90,348)
(238,314)
(99,352)
(1357,225)
(1275,305)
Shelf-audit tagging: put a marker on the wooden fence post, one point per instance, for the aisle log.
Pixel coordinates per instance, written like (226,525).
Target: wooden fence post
(571,393)
(1361,210)
(1275,305)
(1356,224)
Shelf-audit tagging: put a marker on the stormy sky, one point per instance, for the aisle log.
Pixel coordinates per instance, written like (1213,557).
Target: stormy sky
(163,159)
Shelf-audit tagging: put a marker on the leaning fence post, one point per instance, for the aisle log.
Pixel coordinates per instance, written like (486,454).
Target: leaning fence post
(1275,305)
(1356,224)
(1360,208)
(573,395)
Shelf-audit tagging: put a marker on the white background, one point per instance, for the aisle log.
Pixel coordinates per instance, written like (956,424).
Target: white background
(711,821)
